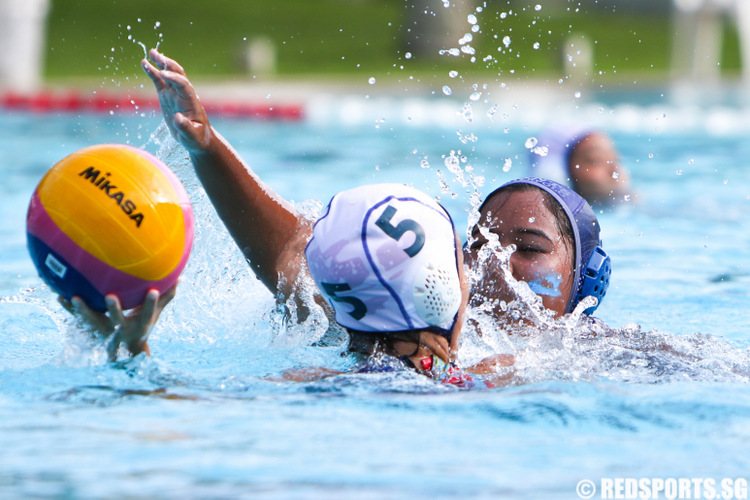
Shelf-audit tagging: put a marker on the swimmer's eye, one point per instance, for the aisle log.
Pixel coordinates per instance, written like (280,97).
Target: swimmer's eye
(531,249)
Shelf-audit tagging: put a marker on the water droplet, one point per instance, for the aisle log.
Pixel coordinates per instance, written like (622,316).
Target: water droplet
(679,171)
(407,55)
(503,15)
(627,198)
(447,90)
(453,73)
(531,142)
(532,220)
(157,24)
(536,45)
(651,155)
(506,41)
(577,95)
(507,165)
(475,96)
(691,161)
(424,163)
(537,7)
(472,19)
(371,80)
(615,175)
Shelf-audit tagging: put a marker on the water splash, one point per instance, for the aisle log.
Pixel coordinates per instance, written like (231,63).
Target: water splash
(507,165)
(576,347)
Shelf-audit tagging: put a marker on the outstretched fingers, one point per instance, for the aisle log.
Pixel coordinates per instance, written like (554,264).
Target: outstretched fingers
(179,83)
(146,317)
(98,322)
(165,63)
(154,74)
(182,110)
(134,327)
(114,308)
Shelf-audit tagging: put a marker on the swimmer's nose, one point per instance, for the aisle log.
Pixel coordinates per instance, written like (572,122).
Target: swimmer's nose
(512,266)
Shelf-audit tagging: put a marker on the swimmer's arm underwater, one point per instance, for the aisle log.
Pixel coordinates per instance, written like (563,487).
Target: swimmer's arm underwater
(268,230)
(130,329)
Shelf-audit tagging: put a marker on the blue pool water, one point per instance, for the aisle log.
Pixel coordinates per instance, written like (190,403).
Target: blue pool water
(660,392)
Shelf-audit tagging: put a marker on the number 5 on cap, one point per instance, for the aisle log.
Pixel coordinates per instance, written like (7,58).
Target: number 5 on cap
(396,232)
(360,309)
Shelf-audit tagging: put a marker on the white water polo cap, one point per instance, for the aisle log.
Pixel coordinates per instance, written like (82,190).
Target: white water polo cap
(384,256)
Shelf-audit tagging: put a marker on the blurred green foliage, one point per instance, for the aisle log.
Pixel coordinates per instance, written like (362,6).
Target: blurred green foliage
(90,38)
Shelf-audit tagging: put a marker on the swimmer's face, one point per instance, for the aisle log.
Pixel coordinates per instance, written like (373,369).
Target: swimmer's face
(595,171)
(543,256)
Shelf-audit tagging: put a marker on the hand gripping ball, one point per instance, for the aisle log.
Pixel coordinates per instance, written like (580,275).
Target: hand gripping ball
(107,219)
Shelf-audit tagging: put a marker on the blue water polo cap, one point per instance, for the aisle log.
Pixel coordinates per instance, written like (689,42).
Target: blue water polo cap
(593,265)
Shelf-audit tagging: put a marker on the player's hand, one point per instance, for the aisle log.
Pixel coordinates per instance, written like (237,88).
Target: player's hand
(183,112)
(130,328)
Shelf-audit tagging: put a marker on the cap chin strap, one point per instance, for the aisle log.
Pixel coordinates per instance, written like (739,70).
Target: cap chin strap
(595,278)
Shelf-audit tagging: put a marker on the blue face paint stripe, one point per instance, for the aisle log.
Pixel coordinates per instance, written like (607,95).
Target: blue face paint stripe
(553,290)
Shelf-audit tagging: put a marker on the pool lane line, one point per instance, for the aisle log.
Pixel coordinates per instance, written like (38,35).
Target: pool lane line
(76,102)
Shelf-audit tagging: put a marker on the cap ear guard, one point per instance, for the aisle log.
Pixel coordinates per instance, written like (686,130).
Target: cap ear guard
(595,277)
(437,294)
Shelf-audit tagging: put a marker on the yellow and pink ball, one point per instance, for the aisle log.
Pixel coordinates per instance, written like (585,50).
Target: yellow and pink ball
(109,218)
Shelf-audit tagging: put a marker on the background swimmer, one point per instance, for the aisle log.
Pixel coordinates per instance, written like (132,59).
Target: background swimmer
(585,160)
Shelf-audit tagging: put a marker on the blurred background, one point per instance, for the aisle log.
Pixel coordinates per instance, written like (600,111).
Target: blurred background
(599,43)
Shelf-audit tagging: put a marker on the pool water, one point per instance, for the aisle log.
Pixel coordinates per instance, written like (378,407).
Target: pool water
(658,390)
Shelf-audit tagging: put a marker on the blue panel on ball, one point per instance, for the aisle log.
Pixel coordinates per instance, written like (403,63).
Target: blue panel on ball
(63,278)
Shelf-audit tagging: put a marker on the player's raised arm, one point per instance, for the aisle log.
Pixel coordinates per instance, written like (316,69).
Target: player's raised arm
(267,228)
